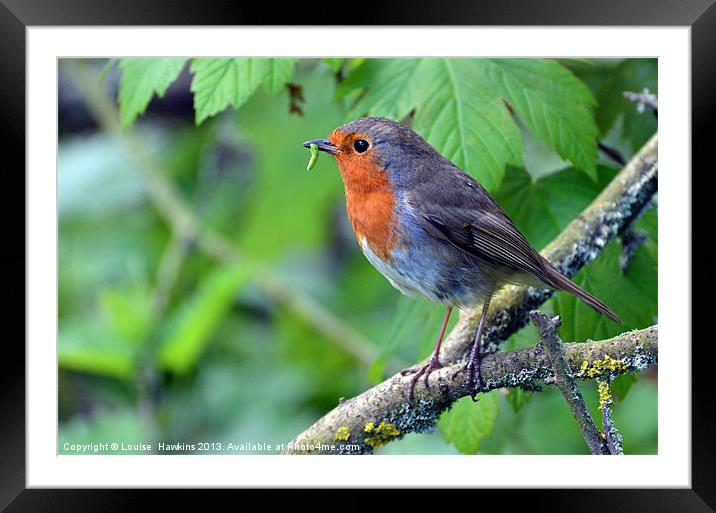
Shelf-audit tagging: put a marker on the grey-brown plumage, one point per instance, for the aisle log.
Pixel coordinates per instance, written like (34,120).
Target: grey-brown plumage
(474,223)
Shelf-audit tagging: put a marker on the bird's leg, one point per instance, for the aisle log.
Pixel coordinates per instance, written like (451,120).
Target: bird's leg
(473,364)
(433,361)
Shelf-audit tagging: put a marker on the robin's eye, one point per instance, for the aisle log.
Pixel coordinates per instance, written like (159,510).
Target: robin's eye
(361,145)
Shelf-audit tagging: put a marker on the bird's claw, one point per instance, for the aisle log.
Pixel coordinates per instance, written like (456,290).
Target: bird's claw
(474,378)
(421,370)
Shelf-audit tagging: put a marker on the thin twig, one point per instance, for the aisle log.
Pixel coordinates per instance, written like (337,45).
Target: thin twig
(168,271)
(631,239)
(611,434)
(612,153)
(148,382)
(644,100)
(565,382)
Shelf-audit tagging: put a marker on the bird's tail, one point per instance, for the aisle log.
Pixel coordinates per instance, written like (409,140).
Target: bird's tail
(561,282)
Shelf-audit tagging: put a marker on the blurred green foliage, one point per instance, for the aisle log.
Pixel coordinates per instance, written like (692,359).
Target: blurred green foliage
(159,341)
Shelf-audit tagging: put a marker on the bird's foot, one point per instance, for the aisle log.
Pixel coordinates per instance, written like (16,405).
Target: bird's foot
(472,367)
(421,370)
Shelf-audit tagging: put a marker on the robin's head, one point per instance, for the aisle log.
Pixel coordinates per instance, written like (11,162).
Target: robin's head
(367,148)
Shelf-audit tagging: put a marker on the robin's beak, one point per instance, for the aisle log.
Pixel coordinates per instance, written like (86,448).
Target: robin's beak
(323,145)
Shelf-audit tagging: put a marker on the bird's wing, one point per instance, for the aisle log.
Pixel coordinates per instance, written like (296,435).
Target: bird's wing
(486,234)
(467,217)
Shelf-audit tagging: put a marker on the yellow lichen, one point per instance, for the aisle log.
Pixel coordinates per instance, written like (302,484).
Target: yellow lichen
(384,433)
(600,368)
(343,433)
(605,394)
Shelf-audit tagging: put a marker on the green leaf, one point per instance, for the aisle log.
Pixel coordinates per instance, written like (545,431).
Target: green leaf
(197,319)
(553,103)
(141,79)
(220,83)
(334,63)
(130,312)
(541,76)
(622,384)
(467,423)
(471,128)
(574,63)
(460,108)
(279,74)
(518,398)
(94,349)
(392,87)
(542,208)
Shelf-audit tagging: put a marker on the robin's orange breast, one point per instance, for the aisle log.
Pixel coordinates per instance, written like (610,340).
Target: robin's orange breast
(370,203)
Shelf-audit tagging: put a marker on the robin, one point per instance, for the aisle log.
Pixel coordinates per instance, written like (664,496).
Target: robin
(432,230)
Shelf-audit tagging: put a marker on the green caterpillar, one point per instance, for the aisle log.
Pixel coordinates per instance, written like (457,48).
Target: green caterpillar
(314,157)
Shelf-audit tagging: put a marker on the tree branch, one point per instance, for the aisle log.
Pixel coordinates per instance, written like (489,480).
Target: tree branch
(564,380)
(612,437)
(382,414)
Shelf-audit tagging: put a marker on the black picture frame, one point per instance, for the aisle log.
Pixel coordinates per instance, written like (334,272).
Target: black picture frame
(17,15)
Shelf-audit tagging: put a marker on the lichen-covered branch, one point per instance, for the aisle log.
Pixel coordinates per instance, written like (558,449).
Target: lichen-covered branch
(382,414)
(611,435)
(565,382)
